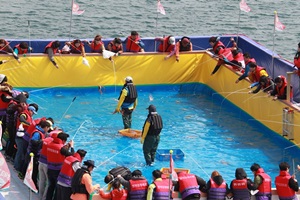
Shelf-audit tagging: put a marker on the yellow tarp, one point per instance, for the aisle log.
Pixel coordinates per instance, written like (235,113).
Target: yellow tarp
(147,69)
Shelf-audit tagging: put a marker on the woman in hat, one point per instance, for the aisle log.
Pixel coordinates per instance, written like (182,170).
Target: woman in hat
(81,184)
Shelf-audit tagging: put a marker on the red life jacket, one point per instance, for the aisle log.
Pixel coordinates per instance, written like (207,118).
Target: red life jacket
(21,51)
(239,58)
(114,48)
(31,128)
(280,91)
(66,173)
(115,194)
(217,191)
(282,186)
(28,119)
(265,187)
(76,50)
(162,189)
(187,184)
(54,158)
(256,74)
(4,105)
(4,48)
(240,189)
(138,189)
(50,46)
(43,152)
(164,46)
(131,46)
(223,52)
(297,61)
(96,48)
(250,60)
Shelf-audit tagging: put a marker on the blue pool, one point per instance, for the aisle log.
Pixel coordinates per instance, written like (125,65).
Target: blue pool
(211,132)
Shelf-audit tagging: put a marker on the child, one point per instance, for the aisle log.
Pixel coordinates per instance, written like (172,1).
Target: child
(117,193)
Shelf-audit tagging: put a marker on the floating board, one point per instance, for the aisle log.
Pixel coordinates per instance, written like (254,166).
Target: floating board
(131,133)
(166,171)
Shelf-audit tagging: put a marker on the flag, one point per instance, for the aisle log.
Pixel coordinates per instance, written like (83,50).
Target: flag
(160,8)
(172,170)
(278,25)
(75,9)
(244,7)
(4,173)
(28,177)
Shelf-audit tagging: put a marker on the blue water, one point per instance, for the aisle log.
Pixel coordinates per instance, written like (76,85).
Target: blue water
(212,133)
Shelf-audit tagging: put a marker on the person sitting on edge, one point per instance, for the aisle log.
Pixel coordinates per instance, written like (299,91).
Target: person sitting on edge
(81,183)
(224,54)
(97,46)
(127,102)
(76,47)
(280,90)
(134,43)
(216,187)
(241,185)
(248,59)
(189,185)
(160,188)
(184,44)
(167,44)
(297,61)
(286,185)
(22,48)
(115,46)
(51,49)
(5,48)
(118,193)
(266,83)
(137,186)
(237,63)
(255,72)
(262,183)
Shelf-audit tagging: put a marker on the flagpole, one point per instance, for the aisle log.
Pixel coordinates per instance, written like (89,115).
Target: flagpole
(272,63)
(237,34)
(170,174)
(155,32)
(71,20)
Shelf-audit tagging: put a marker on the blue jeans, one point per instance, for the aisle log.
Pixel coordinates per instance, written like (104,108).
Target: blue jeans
(20,155)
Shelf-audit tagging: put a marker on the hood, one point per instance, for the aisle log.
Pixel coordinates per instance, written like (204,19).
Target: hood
(218,179)
(151,108)
(240,174)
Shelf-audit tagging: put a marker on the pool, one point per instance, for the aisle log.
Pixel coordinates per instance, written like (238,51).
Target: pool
(212,133)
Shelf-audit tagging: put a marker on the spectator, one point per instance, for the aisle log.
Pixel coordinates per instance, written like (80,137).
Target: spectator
(118,193)
(22,48)
(286,185)
(224,54)
(262,183)
(280,91)
(51,49)
(217,188)
(134,43)
(184,44)
(189,186)
(82,182)
(137,186)
(151,134)
(248,59)
(76,47)
(70,166)
(97,46)
(115,46)
(297,61)
(266,83)
(255,72)
(127,102)
(241,185)
(5,48)
(167,44)
(160,188)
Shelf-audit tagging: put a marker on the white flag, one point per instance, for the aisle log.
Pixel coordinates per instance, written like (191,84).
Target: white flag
(160,8)
(75,9)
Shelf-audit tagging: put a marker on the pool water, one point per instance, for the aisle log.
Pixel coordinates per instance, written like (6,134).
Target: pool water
(212,133)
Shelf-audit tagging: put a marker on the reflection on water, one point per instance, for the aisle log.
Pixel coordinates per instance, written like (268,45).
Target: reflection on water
(211,137)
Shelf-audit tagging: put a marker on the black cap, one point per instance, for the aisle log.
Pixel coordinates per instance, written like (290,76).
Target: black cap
(151,108)
(89,163)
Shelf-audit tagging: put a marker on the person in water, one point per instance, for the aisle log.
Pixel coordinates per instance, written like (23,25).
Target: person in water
(127,102)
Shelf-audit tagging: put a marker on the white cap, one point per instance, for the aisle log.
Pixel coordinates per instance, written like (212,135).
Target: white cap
(128,79)
(172,40)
